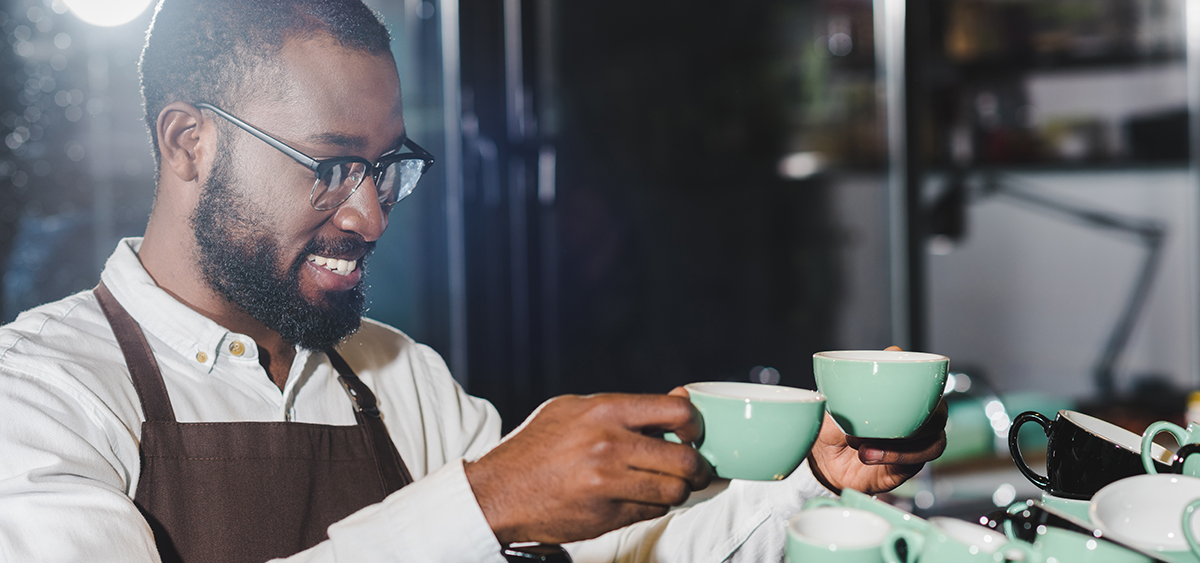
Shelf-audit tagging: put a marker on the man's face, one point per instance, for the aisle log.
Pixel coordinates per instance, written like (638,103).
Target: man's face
(242,260)
(297,270)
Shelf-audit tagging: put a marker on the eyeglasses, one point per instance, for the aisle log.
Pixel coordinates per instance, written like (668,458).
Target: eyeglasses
(395,174)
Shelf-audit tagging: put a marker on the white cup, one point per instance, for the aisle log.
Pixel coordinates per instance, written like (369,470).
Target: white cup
(1152,513)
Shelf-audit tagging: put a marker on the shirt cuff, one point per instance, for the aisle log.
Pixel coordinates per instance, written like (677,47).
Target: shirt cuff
(434,519)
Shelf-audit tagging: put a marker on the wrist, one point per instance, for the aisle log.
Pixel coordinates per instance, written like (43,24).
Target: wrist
(495,510)
(820,476)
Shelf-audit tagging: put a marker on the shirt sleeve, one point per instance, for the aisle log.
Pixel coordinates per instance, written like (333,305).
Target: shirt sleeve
(437,517)
(67,460)
(62,482)
(746,523)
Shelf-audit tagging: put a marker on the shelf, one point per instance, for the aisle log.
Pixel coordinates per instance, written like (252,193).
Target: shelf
(1018,65)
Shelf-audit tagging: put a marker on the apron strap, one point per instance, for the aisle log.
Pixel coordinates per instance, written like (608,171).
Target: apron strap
(147,379)
(393,473)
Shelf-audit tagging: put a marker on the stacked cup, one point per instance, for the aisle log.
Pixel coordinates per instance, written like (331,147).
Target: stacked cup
(860,529)
(1156,512)
(1083,454)
(1136,499)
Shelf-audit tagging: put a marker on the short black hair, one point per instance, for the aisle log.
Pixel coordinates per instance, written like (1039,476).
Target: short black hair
(204,50)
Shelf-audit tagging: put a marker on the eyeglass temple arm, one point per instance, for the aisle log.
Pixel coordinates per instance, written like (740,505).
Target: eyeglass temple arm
(280,145)
(419,151)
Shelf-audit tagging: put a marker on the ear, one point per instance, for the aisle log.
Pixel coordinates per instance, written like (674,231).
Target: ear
(185,140)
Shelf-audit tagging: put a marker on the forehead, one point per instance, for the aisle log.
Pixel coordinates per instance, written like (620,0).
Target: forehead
(321,90)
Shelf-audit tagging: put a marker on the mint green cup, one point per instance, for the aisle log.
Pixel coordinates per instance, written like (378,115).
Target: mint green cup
(836,534)
(947,540)
(880,394)
(851,498)
(753,431)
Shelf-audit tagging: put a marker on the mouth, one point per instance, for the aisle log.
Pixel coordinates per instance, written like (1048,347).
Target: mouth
(336,265)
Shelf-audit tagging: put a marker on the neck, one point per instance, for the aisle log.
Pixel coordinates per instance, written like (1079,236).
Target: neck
(171,261)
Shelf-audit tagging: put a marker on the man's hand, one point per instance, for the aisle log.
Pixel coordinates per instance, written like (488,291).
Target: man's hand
(583,466)
(875,466)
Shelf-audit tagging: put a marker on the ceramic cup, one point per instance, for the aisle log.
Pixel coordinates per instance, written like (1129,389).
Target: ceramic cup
(836,534)
(1189,441)
(753,431)
(880,394)
(1074,507)
(1060,545)
(948,540)
(1153,513)
(898,518)
(1083,453)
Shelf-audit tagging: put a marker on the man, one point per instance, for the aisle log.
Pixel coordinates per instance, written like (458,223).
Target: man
(219,398)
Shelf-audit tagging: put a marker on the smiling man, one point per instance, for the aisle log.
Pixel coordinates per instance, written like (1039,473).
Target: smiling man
(219,397)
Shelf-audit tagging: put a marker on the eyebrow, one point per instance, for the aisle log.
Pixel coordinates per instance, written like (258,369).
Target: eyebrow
(352,142)
(338,140)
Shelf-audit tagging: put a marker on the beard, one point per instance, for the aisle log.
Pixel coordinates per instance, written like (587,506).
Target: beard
(241,260)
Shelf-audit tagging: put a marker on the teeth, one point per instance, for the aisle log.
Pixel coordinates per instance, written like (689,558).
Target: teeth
(339,267)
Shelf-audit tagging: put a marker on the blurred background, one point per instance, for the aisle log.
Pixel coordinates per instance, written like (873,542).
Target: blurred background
(630,196)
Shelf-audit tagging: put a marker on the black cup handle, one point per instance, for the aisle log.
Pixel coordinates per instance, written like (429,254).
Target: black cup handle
(1182,455)
(1041,481)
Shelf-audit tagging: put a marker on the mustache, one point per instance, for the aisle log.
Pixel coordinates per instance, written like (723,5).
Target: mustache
(344,246)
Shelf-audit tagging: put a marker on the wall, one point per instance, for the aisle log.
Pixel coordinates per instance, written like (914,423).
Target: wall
(1030,298)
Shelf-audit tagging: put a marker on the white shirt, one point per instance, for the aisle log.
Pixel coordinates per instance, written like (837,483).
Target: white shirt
(70,425)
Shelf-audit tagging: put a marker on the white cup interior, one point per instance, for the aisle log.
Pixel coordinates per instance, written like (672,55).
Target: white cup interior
(882,356)
(1115,434)
(1146,511)
(755,391)
(986,539)
(842,527)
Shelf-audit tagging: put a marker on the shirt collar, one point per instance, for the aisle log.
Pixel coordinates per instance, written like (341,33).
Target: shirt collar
(192,335)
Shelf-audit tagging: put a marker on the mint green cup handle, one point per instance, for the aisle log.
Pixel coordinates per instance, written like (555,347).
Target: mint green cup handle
(1181,435)
(913,540)
(1013,510)
(1189,514)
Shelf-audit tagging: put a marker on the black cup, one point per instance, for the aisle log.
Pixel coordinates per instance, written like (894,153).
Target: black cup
(1083,455)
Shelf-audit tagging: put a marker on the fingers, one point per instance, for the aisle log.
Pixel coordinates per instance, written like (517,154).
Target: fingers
(652,455)
(582,466)
(648,413)
(643,487)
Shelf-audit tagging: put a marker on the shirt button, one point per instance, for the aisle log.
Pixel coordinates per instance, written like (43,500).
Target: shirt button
(237,348)
(201,357)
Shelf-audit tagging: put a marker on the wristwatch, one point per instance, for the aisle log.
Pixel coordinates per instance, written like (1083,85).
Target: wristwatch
(528,552)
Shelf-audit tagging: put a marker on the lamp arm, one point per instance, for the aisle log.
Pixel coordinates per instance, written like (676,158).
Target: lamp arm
(1149,232)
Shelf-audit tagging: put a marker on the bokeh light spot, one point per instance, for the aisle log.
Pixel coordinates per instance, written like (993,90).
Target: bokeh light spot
(107,13)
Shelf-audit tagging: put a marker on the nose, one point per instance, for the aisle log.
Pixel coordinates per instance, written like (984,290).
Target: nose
(362,213)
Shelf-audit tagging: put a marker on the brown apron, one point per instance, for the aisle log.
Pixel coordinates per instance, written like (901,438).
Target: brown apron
(231,492)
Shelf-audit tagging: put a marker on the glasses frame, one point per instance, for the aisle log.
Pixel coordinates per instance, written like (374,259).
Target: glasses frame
(321,166)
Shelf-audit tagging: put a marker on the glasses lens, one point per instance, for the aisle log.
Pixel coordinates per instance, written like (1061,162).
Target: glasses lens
(337,184)
(399,180)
